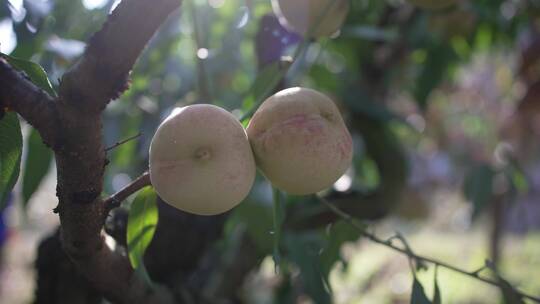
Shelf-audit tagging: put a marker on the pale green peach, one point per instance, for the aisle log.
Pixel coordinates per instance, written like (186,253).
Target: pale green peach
(300,141)
(201,161)
(322,17)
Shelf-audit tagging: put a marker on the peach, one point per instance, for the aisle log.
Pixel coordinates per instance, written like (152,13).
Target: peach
(300,141)
(201,160)
(324,17)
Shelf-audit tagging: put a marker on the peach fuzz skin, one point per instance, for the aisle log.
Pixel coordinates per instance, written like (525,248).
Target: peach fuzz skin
(201,161)
(300,141)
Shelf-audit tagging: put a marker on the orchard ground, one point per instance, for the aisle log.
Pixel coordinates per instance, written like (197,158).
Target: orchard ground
(374,274)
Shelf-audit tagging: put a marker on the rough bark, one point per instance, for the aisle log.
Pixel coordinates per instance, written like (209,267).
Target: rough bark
(71,125)
(19,94)
(58,281)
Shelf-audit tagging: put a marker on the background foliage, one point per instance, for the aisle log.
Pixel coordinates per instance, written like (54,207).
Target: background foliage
(444,99)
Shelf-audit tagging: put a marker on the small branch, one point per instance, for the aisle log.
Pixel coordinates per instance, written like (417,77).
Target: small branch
(410,254)
(119,143)
(115,200)
(19,94)
(479,270)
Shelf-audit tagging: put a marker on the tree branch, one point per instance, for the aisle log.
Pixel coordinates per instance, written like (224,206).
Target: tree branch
(85,90)
(119,143)
(422,259)
(102,73)
(19,94)
(116,199)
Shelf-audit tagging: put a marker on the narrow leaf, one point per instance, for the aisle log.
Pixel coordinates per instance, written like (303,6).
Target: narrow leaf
(304,250)
(518,178)
(10,155)
(34,71)
(339,234)
(478,187)
(142,222)
(269,78)
(437,291)
(370,33)
(418,294)
(437,63)
(509,293)
(37,163)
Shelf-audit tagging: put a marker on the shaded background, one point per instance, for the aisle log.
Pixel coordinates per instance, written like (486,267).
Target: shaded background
(444,110)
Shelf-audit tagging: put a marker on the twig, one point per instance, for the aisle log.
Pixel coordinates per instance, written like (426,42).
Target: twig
(277,219)
(410,254)
(119,143)
(115,200)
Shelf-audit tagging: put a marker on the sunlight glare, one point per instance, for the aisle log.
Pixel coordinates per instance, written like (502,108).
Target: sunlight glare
(115,4)
(202,53)
(93,4)
(18,12)
(244,17)
(16,4)
(344,183)
(216,3)
(8,39)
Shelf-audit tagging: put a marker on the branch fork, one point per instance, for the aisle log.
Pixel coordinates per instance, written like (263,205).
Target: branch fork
(71,125)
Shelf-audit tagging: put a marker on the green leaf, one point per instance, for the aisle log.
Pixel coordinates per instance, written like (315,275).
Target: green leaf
(37,163)
(509,293)
(34,71)
(478,187)
(439,58)
(369,33)
(142,222)
(304,252)
(4,10)
(418,294)
(518,178)
(338,234)
(10,155)
(437,291)
(258,220)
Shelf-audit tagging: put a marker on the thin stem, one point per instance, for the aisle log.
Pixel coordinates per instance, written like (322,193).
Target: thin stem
(119,143)
(279,77)
(115,200)
(202,76)
(277,226)
(410,254)
(297,54)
